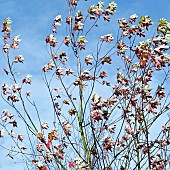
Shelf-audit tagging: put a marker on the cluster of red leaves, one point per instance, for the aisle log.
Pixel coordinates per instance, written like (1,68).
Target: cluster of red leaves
(132,91)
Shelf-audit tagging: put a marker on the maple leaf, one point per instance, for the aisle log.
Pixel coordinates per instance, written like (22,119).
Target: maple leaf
(70,165)
(48,144)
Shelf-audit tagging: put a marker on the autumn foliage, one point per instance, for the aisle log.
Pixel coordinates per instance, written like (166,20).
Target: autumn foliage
(105,106)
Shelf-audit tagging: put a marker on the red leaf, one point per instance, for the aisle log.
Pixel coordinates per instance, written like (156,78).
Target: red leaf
(43,168)
(70,165)
(49,143)
(123,91)
(6,72)
(143,63)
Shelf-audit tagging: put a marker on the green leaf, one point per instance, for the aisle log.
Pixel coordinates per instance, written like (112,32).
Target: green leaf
(167,38)
(168,26)
(161,29)
(162,21)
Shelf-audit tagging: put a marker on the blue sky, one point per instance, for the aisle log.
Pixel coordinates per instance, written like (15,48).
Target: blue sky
(32,20)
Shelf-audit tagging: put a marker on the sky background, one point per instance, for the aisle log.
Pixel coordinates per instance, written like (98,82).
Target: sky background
(33,19)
